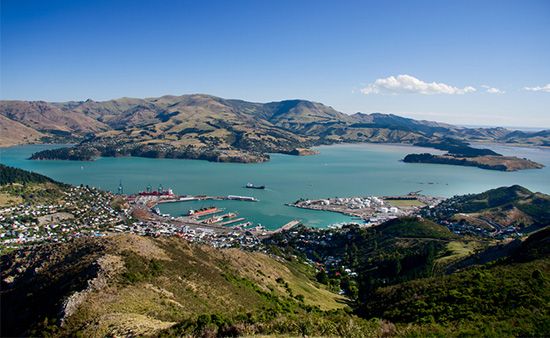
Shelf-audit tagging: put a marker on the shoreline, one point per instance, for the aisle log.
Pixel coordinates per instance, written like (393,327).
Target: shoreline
(512,145)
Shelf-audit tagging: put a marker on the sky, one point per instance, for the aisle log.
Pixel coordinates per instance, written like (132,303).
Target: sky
(463,62)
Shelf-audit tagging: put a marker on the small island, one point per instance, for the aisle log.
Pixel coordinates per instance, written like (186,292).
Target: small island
(491,162)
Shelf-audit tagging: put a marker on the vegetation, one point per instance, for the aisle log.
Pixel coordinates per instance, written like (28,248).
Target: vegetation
(491,162)
(393,252)
(112,285)
(402,277)
(10,175)
(20,186)
(310,323)
(514,205)
(506,298)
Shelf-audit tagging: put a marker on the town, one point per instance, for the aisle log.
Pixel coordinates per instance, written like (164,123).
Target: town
(86,211)
(81,211)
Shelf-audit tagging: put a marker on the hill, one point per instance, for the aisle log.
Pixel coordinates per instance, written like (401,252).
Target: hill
(15,175)
(495,212)
(127,284)
(395,251)
(406,277)
(216,129)
(399,272)
(507,298)
(21,186)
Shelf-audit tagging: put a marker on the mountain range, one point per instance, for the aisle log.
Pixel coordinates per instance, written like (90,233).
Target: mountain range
(212,128)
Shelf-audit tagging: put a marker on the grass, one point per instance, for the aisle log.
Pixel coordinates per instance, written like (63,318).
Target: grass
(193,279)
(457,250)
(7,199)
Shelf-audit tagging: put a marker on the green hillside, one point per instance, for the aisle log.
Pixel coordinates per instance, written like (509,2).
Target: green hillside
(395,251)
(18,186)
(507,298)
(126,283)
(513,206)
(413,228)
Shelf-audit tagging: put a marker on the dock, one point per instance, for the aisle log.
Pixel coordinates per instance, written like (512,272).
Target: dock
(205,213)
(287,226)
(232,221)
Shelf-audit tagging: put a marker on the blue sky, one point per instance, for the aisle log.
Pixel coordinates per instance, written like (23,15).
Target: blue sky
(465,62)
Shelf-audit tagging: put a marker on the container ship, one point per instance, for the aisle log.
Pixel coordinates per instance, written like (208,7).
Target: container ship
(252,186)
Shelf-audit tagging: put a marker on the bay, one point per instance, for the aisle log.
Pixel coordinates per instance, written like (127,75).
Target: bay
(339,170)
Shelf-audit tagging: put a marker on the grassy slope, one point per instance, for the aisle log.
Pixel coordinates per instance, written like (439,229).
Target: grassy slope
(143,285)
(17,186)
(414,228)
(506,298)
(514,205)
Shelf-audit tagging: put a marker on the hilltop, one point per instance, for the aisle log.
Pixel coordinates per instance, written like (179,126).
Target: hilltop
(216,129)
(428,281)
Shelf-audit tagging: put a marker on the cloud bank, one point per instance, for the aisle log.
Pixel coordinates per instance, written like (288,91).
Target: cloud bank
(545,89)
(409,84)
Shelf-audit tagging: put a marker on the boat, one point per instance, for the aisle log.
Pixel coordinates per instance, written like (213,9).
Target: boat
(252,186)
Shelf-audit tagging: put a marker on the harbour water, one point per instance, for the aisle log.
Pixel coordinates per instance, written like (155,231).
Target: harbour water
(339,170)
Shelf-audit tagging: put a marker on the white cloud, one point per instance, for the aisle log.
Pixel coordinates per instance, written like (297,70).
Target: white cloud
(545,88)
(410,84)
(493,90)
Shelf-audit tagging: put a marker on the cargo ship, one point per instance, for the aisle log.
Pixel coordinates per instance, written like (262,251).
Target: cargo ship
(202,211)
(252,186)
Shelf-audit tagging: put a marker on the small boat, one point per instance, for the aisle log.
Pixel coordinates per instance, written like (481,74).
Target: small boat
(252,186)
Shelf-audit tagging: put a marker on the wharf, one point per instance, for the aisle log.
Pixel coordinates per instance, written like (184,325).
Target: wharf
(205,213)
(232,221)
(287,226)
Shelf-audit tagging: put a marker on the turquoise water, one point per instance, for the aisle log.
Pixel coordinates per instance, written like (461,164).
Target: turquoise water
(341,170)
